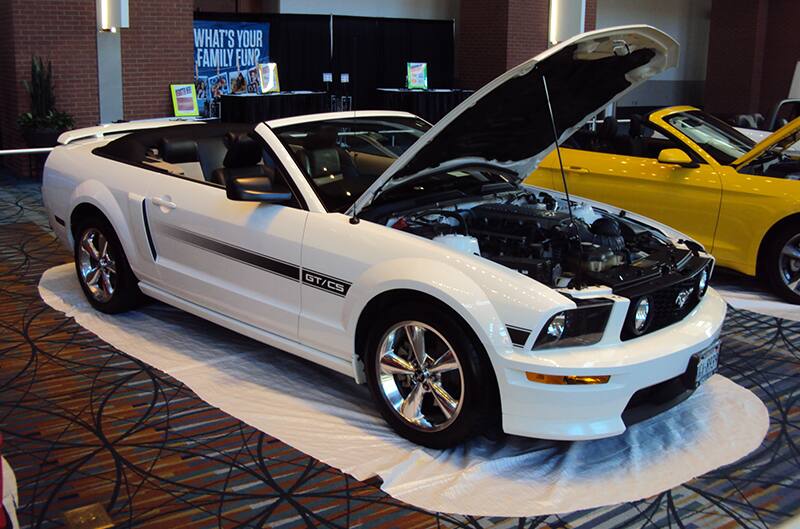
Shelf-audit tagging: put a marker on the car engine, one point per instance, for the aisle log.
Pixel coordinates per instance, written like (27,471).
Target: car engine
(532,234)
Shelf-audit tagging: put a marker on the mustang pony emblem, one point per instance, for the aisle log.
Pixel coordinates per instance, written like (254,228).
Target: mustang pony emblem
(683,297)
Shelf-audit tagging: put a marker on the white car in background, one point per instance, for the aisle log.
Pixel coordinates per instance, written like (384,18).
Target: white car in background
(410,257)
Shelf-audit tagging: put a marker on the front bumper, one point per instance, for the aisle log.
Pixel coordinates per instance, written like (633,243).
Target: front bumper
(568,412)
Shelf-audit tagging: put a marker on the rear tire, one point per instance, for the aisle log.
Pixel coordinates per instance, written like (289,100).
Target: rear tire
(442,401)
(781,268)
(103,270)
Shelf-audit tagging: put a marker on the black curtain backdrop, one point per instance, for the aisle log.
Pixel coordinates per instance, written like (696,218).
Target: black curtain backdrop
(356,52)
(374,51)
(404,41)
(300,44)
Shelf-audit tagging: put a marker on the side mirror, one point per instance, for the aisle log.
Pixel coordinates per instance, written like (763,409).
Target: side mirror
(254,189)
(676,157)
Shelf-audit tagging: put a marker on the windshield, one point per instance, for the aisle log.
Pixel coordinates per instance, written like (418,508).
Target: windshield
(342,157)
(724,143)
(454,185)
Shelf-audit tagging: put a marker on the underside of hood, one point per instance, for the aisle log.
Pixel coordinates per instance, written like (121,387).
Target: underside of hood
(780,140)
(507,122)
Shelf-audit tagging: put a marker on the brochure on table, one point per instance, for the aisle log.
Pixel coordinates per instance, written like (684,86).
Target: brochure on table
(417,75)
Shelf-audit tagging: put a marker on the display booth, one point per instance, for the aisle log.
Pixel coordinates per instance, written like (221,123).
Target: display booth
(364,56)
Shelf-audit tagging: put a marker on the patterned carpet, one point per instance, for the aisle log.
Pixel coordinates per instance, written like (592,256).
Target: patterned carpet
(84,423)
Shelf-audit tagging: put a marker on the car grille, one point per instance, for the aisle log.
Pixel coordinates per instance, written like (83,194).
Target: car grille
(664,306)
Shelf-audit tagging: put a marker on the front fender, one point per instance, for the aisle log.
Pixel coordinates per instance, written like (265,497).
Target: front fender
(98,195)
(439,280)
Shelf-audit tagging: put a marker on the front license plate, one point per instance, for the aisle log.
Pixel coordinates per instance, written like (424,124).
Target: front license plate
(707,362)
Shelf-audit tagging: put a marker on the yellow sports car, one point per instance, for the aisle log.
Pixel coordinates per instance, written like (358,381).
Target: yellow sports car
(693,172)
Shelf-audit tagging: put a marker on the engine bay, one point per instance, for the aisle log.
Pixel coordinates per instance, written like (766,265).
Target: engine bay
(532,233)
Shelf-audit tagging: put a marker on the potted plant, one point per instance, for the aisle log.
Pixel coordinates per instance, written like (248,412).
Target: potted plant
(43,124)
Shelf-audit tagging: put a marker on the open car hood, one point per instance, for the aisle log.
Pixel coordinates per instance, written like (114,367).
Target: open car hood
(782,139)
(507,123)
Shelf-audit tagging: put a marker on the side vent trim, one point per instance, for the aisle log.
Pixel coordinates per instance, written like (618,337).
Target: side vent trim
(147,231)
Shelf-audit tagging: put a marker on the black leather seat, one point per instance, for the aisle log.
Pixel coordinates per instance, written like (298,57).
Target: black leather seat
(178,150)
(211,153)
(242,160)
(606,134)
(324,159)
(635,142)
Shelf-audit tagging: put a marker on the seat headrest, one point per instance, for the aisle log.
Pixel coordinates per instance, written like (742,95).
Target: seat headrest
(243,151)
(324,162)
(608,130)
(323,138)
(635,130)
(178,150)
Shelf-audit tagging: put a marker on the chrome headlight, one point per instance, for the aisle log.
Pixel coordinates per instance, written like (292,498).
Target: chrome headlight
(702,283)
(641,315)
(556,325)
(583,325)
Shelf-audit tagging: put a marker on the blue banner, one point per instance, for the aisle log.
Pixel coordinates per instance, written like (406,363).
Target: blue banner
(227,55)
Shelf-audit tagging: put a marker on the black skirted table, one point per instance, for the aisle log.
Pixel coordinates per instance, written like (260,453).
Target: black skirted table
(430,105)
(255,108)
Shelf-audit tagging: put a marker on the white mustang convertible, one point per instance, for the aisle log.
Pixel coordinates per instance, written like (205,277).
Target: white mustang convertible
(410,257)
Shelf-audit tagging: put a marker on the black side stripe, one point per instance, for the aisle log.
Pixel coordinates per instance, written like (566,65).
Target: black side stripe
(268,264)
(326,283)
(311,278)
(147,230)
(518,335)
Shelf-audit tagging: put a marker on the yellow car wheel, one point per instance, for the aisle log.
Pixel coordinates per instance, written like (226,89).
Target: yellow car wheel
(782,262)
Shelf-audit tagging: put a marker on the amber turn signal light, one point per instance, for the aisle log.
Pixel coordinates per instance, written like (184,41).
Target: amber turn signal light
(567,380)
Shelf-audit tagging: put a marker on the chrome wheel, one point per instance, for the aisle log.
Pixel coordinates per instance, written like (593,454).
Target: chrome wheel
(420,376)
(789,264)
(97,268)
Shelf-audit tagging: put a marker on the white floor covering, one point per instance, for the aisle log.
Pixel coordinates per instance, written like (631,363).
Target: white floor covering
(327,416)
(8,484)
(748,294)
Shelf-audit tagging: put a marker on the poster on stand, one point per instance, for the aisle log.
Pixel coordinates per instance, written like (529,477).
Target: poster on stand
(268,77)
(184,100)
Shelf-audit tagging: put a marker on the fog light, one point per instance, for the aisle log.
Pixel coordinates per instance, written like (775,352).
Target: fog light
(702,283)
(641,316)
(555,329)
(567,380)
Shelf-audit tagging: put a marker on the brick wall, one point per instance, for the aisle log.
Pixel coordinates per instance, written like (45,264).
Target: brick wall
(62,31)
(8,103)
(495,35)
(528,25)
(737,36)
(157,50)
(482,35)
(590,21)
(781,53)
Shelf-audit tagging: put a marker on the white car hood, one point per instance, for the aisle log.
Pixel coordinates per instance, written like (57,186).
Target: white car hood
(507,123)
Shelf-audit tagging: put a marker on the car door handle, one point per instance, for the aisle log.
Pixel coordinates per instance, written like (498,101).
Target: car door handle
(163,203)
(580,170)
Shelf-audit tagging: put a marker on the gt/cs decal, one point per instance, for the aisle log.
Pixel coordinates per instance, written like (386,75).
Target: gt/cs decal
(326,283)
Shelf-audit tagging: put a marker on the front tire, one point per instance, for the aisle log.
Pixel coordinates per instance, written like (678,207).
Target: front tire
(782,263)
(103,270)
(429,376)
